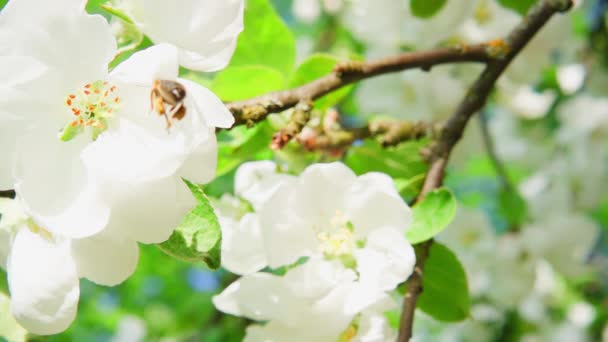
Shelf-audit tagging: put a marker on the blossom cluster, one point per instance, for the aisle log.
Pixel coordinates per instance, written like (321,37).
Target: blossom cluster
(320,253)
(98,168)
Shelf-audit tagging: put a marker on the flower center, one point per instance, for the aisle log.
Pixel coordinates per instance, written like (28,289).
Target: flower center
(91,106)
(339,239)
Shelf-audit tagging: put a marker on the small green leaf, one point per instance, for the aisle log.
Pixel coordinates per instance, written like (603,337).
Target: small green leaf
(316,66)
(241,82)
(426,8)
(242,144)
(445,293)
(198,237)
(432,215)
(519,6)
(512,207)
(402,162)
(266,39)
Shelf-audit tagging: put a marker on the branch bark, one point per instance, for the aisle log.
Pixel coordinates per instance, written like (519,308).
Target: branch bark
(256,109)
(454,128)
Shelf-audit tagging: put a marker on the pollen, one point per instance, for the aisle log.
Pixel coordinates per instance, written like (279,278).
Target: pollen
(91,106)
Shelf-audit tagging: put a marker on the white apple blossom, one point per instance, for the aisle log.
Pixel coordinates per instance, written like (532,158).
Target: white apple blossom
(316,301)
(564,240)
(571,78)
(139,162)
(62,198)
(242,243)
(204,31)
(43,269)
(106,121)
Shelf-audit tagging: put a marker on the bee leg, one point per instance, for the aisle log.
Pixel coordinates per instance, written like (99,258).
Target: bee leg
(178,112)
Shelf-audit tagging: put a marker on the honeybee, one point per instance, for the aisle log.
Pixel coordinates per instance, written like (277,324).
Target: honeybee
(169,93)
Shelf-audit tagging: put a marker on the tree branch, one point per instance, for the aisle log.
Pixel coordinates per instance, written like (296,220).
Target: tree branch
(456,124)
(256,109)
(488,142)
(7,193)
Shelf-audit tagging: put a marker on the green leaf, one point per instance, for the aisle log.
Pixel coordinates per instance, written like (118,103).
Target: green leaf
(242,144)
(402,162)
(198,237)
(432,215)
(512,207)
(445,294)
(426,8)
(266,39)
(241,82)
(316,66)
(520,6)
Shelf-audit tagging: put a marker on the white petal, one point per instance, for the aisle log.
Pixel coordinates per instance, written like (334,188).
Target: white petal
(287,235)
(276,332)
(63,38)
(373,202)
(317,277)
(387,260)
(242,245)
(571,78)
(259,296)
(201,164)
(135,154)
(54,186)
(204,30)
(104,259)
(43,283)
(213,110)
(149,212)
(257,181)
(158,62)
(332,180)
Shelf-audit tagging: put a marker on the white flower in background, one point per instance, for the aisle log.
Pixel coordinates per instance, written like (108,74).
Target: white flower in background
(390,23)
(308,11)
(43,269)
(565,240)
(471,238)
(204,31)
(413,94)
(582,116)
(571,78)
(525,101)
(512,271)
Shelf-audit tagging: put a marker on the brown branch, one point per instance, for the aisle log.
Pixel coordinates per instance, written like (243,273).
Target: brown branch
(7,193)
(387,132)
(256,109)
(454,128)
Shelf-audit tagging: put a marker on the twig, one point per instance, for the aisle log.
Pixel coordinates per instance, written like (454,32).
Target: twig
(7,193)
(454,128)
(488,142)
(256,109)
(299,119)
